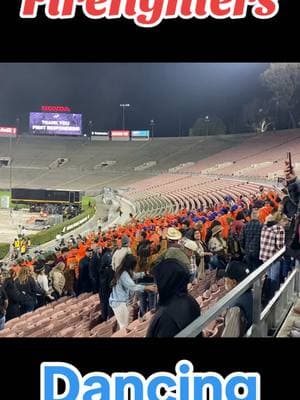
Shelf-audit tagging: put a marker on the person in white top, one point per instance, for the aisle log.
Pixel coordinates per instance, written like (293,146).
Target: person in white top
(42,280)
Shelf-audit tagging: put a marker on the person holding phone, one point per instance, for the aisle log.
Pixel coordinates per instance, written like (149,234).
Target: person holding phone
(292,181)
(293,187)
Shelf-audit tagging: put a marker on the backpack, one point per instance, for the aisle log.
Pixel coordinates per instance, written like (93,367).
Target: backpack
(144,250)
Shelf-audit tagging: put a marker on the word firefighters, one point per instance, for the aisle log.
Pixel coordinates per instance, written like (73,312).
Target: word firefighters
(185,385)
(150,13)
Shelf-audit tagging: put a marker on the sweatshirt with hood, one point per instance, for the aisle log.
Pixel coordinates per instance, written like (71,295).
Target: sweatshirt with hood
(177,308)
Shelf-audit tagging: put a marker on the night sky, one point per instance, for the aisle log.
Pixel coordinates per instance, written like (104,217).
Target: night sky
(173,94)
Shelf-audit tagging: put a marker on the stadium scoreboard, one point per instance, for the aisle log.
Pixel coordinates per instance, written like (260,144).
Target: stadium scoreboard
(51,123)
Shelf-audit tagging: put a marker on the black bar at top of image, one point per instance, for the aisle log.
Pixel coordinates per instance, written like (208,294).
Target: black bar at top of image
(84,39)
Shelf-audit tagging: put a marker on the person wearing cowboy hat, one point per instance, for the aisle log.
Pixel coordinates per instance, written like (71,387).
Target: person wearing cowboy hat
(175,249)
(173,236)
(218,246)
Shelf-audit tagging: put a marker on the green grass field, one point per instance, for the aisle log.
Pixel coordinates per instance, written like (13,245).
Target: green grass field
(50,234)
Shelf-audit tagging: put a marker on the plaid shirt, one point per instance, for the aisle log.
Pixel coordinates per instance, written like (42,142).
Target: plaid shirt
(250,238)
(193,268)
(271,240)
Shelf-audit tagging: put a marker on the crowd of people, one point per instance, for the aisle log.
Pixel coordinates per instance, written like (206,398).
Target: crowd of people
(149,265)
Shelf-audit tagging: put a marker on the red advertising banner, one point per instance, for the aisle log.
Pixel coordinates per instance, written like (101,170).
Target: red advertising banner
(120,135)
(55,109)
(6,131)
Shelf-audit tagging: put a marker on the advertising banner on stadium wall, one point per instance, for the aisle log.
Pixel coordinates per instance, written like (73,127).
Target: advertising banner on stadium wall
(140,135)
(55,123)
(7,131)
(100,136)
(120,135)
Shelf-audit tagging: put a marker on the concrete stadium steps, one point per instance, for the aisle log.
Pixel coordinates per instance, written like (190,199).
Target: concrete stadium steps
(79,316)
(206,292)
(272,146)
(65,178)
(39,152)
(33,155)
(60,318)
(184,191)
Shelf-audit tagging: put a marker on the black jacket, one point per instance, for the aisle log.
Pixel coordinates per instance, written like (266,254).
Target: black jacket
(177,308)
(30,290)
(94,267)
(15,298)
(84,280)
(3,299)
(292,234)
(106,272)
(289,208)
(294,192)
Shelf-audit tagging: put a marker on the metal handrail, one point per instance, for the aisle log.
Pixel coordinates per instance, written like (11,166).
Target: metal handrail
(194,329)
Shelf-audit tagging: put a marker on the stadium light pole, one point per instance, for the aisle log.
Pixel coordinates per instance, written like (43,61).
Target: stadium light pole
(152,123)
(10,173)
(206,119)
(90,130)
(123,114)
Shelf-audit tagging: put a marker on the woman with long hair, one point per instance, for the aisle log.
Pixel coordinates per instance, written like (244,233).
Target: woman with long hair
(15,297)
(123,289)
(218,247)
(202,255)
(26,284)
(57,280)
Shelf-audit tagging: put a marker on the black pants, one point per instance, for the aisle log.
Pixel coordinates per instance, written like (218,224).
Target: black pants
(95,285)
(106,311)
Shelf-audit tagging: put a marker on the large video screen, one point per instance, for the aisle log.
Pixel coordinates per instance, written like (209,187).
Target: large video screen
(55,123)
